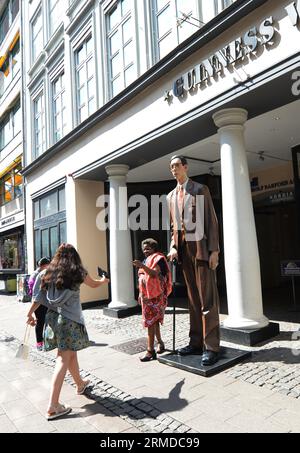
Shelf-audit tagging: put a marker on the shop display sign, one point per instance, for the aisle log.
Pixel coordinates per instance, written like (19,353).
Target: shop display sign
(290,268)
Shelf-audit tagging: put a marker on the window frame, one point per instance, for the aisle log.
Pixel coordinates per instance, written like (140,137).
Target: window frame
(8,10)
(35,17)
(118,28)
(9,118)
(154,13)
(51,30)
(63,108)
(35,98)
(11,174)
(78,67)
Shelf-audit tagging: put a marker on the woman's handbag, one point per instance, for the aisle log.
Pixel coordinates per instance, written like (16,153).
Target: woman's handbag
(24,348)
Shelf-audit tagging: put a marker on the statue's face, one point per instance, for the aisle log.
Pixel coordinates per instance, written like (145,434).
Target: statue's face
(178,170)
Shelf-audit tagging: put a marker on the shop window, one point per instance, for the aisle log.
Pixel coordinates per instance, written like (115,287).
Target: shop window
(49,205)
(11,252)
(49,223)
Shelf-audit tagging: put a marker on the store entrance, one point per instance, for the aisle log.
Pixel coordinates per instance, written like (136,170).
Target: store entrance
(278,240)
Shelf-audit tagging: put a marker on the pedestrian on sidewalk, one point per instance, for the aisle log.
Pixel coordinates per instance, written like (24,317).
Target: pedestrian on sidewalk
(41,311)
(58,287)
(155,285)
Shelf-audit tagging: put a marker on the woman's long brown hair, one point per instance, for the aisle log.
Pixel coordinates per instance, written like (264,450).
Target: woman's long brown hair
(65,270)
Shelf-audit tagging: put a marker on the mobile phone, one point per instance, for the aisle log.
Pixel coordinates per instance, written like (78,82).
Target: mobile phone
(102,273)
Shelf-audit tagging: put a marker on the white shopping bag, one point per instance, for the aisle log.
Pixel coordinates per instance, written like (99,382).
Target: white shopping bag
(24,348)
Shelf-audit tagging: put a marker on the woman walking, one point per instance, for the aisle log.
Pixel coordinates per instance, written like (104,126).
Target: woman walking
(58,288)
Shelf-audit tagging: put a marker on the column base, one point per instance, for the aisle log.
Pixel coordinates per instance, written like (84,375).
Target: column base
(122,312)
(249,337)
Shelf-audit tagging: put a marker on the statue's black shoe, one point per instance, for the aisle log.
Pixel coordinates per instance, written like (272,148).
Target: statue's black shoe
(189,350)
(209,358)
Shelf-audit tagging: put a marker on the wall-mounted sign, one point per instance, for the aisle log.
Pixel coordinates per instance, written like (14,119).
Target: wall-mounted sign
(255,187)
(290,268)
(7,221)
(235,51)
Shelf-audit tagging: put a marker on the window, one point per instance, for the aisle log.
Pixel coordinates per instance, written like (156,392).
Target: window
(11,252)
(176,20)
(49,204)
(15,6)
(59,108)
(11,185)
(17,119)
(4,24)
(121,46)
(6,131)
(37,36)
(10,126)
(39,125)
(85,79)
(55,15)
(15,59)
(49,223)
(9,14)
(10,67)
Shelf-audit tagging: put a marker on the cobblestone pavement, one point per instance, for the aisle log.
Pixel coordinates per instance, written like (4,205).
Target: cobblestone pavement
(274,365)
(221,402)
(141,415)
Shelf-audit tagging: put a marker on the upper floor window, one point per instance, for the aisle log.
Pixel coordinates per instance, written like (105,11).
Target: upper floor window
(10,67)
(175,20)
(59,108)
(85,79)
(8,16)
(10,126)
(39,125)
(121,46)
(37,42)
(55,14)
(172,23)
(11,185)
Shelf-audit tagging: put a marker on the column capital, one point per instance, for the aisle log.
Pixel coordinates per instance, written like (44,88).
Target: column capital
(230,117)
(117,170)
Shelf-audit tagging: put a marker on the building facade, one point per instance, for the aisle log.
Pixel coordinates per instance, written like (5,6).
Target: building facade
(12,256)
(114,88)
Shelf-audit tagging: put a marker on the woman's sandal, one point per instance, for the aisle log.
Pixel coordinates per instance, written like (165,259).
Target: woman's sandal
(147,358)
(83,388)
(161,348)
(58,411)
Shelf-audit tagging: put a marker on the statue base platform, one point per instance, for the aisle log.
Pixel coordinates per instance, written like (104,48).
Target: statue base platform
(192,363)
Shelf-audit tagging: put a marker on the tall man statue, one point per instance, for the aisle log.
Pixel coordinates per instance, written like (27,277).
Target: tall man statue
(195,244)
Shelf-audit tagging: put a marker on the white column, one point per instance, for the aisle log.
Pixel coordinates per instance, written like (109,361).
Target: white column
(121,268)
(240,242)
